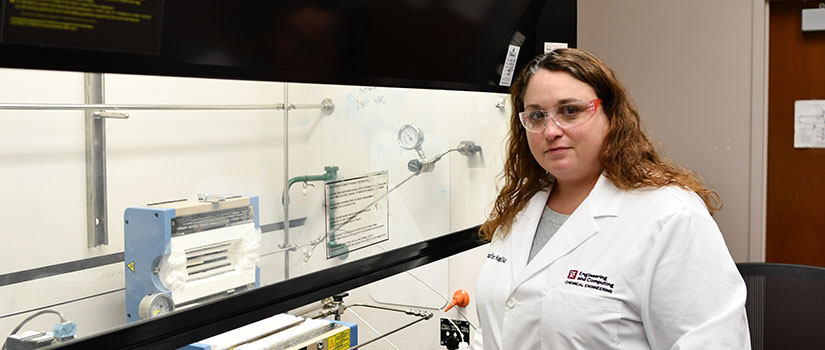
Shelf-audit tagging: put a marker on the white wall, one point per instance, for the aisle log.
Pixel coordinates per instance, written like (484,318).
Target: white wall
(36,147)
(695,70)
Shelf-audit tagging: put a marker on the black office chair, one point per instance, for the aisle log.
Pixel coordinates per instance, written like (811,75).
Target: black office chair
(785,306)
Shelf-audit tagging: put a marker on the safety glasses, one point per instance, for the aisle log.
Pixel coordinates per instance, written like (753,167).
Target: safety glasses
(564,115)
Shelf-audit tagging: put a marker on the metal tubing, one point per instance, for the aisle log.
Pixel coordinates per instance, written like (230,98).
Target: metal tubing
(376,307)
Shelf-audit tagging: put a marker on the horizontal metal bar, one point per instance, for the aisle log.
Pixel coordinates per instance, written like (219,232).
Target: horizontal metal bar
(326,105)
(305,106)
(277,226)
(124,107)
(111,115)
(375,307)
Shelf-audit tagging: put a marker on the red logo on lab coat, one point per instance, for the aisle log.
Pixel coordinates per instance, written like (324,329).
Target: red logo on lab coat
(572,274)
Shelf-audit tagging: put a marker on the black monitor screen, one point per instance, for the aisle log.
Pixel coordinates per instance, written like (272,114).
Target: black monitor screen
(452,44)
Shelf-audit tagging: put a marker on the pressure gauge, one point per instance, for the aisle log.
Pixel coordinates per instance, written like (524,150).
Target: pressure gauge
(154,305)
(409,137)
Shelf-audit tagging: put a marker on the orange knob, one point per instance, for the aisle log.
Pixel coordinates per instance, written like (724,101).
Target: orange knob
(460,298)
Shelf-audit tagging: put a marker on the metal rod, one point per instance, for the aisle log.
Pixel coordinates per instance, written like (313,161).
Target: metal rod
(286,180)
(375,307)
(124,107)
(315,106)
(111,115)
(325,105)
(95,130)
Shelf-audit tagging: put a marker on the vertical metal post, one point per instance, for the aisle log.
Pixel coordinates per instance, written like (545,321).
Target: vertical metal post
(286,180)
(96,226)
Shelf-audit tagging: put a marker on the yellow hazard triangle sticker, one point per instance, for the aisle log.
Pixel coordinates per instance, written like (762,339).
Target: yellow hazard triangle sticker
(131,266)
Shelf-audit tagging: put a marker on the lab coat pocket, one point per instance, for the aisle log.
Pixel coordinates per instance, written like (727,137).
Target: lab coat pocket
(579,321)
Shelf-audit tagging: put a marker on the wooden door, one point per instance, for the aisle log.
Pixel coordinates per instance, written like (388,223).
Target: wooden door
(795,222)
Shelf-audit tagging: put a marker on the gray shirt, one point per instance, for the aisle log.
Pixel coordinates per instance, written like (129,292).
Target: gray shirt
(548,225)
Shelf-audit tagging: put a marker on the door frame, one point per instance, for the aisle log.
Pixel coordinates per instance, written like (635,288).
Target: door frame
(760,17)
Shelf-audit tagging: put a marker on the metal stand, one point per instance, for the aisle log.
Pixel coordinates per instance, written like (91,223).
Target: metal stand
(286,181)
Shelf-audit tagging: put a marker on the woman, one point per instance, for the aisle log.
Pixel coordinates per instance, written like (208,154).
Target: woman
(597,242)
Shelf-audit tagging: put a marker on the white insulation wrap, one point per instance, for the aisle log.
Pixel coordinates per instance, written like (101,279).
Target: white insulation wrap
(247,250)
(172,269)
(208,262)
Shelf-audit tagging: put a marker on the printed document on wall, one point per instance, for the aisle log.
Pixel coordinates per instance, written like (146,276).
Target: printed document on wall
(809,124)
(357,215)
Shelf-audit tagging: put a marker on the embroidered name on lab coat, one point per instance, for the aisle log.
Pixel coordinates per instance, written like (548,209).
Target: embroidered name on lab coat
(589,280)
(497,257)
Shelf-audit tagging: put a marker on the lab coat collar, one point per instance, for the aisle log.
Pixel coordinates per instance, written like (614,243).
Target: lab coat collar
(523,228)
(604,200)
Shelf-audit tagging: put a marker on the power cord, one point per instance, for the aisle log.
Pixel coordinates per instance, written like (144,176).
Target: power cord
(63,321)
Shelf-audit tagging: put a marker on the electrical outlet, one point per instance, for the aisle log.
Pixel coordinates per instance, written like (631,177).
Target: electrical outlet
(450,336)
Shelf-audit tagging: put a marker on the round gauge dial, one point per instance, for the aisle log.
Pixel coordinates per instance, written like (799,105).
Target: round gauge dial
(409,137)
(154,305)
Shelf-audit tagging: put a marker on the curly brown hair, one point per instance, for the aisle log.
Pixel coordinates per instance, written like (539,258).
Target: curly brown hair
(628,158)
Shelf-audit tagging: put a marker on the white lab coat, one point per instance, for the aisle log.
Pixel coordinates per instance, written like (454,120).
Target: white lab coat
(639,269)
